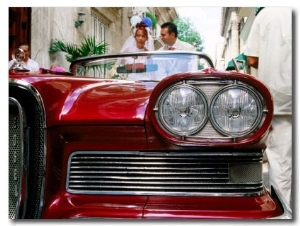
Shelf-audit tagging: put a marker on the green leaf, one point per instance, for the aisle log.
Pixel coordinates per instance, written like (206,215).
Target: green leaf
(188,33)
(87,48)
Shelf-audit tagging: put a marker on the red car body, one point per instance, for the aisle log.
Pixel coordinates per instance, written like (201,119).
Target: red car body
(79,117)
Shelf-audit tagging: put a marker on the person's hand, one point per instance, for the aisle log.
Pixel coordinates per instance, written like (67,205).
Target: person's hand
(13,65)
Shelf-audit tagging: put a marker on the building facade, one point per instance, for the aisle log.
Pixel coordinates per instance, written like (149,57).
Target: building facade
(111,25)
(236,24)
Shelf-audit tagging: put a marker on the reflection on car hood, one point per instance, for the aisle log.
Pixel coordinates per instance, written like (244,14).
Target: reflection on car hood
(75,100)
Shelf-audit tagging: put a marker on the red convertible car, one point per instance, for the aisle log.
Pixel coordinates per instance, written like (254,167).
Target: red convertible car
(149,135)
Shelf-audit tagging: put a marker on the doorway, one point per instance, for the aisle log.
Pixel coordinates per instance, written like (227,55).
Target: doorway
(19,27)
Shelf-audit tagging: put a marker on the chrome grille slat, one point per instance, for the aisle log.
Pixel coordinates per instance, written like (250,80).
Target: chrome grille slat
(153,168)
(133,168)
(126,166)
(116,179)
(153,173)
(143,173)
(185,188)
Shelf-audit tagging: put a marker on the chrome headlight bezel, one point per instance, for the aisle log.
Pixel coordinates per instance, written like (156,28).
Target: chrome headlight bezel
(188,111)
(247,92)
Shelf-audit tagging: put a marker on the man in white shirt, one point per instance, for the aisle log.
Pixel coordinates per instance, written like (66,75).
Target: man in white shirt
(168,35)
(27,63)
(269,49)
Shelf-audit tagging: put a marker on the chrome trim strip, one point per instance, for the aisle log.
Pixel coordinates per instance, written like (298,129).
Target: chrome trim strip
(84,60)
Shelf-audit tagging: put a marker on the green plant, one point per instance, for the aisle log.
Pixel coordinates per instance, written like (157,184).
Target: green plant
(188,33)
(88,48)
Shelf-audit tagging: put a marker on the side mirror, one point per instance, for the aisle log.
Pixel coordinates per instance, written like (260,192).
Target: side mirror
(239,65)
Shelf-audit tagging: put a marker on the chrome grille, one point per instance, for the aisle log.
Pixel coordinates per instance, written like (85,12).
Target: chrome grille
(31,150)
(164,173)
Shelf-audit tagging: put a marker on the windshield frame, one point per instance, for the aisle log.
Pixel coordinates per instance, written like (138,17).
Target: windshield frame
(107,58)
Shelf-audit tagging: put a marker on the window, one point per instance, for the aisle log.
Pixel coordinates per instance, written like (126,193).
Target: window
(98,28)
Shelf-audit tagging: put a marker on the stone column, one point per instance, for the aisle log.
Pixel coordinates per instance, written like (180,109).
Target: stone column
(235,49)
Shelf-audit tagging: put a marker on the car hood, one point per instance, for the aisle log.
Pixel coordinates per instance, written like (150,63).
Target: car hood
(75,100)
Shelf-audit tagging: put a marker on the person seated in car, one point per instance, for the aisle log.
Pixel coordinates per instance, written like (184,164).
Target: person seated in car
(176,64)
(27,62)
(139,41)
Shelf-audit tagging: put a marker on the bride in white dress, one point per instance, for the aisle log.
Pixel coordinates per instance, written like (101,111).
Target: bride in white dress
(140,40)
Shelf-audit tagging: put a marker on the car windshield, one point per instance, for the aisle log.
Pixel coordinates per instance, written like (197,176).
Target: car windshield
(152,65)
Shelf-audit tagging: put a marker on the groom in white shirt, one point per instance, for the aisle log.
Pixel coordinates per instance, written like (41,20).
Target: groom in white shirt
(168,35)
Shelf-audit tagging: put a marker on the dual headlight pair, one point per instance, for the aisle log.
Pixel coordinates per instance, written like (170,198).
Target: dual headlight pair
(234,110)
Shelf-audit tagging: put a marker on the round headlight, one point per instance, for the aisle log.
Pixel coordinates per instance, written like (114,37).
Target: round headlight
(235,110)
(183,109)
